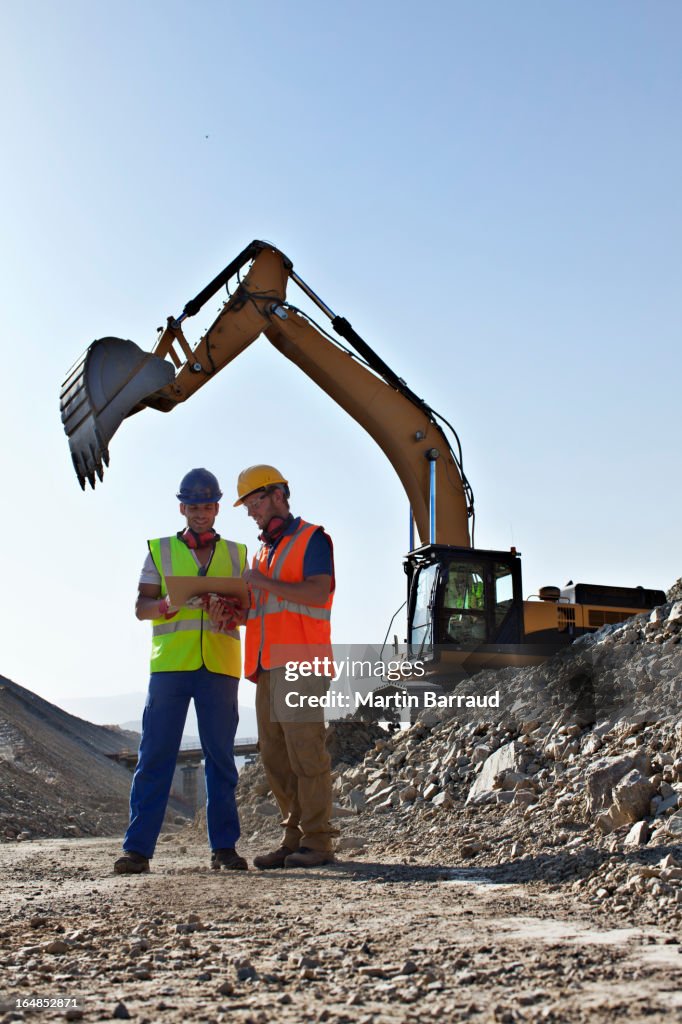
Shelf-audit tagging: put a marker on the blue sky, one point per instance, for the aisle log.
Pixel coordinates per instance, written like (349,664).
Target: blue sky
(489,192)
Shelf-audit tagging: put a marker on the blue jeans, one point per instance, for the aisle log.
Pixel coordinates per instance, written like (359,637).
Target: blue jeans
(215,701)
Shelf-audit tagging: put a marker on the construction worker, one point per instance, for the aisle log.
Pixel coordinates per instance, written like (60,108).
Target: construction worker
(292,583)
(196,654)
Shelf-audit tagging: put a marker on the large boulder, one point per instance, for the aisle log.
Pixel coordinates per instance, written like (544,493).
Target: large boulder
(631,799)
(604,775)
(507,758)
(632,796)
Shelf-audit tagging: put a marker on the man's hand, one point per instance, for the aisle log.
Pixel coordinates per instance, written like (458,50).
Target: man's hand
(150,604)
(166,608)
(312,591)
(255,578)
(225,612)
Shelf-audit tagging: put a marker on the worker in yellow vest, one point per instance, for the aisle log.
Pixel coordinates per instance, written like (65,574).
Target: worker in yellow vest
(196,654)
(292,583)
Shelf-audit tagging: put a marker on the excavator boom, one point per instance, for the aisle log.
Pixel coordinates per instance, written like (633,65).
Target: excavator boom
(115,379)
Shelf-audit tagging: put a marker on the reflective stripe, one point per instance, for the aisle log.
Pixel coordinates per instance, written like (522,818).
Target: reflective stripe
(187,625)
(181,626)
(166,558)
(233,552)
(273,605)
(279,559)
(280,554)
(264,603)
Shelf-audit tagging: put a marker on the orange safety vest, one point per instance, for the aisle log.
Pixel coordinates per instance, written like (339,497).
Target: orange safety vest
(280,631)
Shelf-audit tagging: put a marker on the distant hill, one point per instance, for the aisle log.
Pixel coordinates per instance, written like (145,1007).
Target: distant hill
(55,777)
(107,710)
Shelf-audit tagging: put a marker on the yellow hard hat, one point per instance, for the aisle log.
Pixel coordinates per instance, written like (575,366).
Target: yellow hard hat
(255,478)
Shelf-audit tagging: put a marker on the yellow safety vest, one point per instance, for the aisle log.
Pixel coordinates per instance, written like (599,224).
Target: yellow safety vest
(190,640)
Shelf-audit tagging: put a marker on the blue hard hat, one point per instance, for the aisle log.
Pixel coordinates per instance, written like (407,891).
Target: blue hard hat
(199,487)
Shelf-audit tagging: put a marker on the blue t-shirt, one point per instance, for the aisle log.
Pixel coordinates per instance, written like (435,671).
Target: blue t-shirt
(317,560)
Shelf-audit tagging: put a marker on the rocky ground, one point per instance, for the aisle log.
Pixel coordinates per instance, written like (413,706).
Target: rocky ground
(525,866)
(370,939)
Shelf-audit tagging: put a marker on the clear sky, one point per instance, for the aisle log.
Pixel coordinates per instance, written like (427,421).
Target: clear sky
(489,192)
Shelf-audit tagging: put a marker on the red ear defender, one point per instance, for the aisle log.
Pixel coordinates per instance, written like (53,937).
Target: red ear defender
(195,540)
(275,528)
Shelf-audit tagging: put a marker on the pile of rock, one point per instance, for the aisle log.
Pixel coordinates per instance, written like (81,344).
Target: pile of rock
(585,757)
(349,740)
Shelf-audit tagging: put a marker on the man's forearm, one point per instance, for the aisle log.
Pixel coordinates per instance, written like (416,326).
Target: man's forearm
(148,607)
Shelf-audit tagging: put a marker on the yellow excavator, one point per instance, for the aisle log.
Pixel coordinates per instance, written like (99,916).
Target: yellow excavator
(465,606)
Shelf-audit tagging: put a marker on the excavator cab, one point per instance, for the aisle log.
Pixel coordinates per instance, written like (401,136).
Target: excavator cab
(463,597)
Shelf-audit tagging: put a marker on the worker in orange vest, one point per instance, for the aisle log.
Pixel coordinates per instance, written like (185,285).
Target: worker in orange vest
(292,583)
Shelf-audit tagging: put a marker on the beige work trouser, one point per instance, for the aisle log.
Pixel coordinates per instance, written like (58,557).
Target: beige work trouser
(297,766)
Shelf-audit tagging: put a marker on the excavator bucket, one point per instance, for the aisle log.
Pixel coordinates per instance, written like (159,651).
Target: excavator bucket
(106,384)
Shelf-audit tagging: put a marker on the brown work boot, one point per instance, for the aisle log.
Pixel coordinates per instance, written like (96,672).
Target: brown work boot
(228,859)
(274,859)
(131,863)
(307,858)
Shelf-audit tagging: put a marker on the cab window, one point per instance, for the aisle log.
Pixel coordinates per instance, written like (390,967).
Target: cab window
(464,603)
(422,618)
(504,593)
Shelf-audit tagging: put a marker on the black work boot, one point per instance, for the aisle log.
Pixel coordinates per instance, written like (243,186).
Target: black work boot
(228,859)
(307,858)
(274,859)
(131,863)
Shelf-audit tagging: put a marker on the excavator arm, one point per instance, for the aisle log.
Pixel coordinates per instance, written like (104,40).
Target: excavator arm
(465,605)
(115,379)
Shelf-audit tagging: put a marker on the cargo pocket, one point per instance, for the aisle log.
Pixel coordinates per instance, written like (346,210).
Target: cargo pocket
(307,749)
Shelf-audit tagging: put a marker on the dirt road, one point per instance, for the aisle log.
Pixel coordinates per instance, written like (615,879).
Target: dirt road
(365,940)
